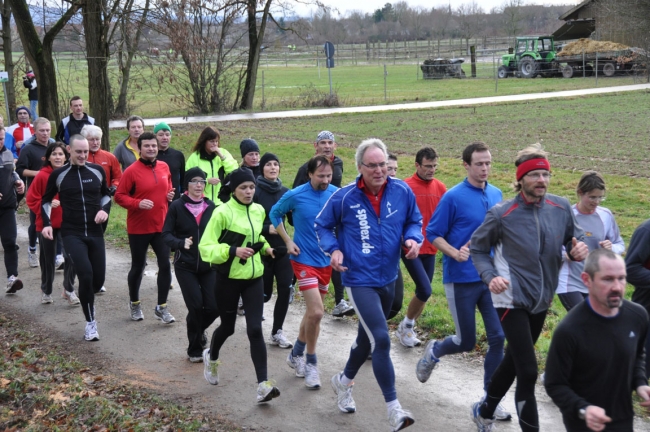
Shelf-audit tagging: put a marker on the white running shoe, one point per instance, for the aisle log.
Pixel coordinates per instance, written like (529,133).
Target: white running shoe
(343,309)
(136,312)
(266,390)
(46,299)
(102,290)
(210,368)
(13,284)
(312,376)
(406,336)
(195,359)
(240,307)
(281,340)
(32,259)
(297,363)
(343,394)
(59,262)
(427,363)
(162,313)
(484,425)
(500,412)
(400,419)
(71,297)
(91,331)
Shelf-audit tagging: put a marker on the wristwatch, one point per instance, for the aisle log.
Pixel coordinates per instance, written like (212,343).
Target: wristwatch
(582,413)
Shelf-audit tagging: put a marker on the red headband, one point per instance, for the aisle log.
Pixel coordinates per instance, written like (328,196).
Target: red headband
(532,165)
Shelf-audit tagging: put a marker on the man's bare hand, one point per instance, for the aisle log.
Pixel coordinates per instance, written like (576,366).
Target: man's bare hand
(413,249)
(498,285)
(336,261)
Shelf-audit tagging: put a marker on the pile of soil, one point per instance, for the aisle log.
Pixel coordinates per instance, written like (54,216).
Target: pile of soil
(589,46)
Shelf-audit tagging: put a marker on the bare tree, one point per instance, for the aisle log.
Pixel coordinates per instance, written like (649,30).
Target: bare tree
(39,52)
(512,17)
(470,20)
(5,17)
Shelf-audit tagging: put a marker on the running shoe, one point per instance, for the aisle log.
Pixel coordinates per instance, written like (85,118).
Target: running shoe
(59,262)
(210,368)
(71,297)
(484,425)
(162,313)
(297,363)
(102,290)
(46,299)
(343,309)
(428,362)
(204,340)
(280,340)
(13,284)
(194,359)
(312,376)
(91,331)
(240,307)
(32,259)
(400,419)
(266,390)
(292,293)
(343,394)
(500,412)
(136,312)
(406,336)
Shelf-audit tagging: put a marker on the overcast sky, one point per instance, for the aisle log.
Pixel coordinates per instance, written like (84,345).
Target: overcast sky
(371,5)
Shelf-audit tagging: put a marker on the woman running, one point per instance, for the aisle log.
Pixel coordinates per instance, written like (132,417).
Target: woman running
(56,156)
(269,190)
(232,241)
(601,232)
(184,226)
(215,161)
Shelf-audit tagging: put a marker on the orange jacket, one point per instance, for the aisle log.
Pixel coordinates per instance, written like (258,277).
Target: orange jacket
(427,196)
(111,165)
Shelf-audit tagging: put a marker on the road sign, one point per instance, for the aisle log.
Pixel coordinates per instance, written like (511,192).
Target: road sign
(4,76)
(329,53)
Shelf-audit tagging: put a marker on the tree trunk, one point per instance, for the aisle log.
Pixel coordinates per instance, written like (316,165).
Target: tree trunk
(97,52)
(255,41)
(9,61)
(39,55)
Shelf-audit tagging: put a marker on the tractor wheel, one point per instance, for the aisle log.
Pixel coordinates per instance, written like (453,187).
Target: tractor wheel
(609,69)
(567,71)
(589,70)
(503,72)
(528,67)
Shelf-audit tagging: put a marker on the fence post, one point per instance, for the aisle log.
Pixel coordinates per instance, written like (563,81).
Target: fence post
(472,50)
(263,99)
(596,68)
(584,74)
(385,74)
(394,52)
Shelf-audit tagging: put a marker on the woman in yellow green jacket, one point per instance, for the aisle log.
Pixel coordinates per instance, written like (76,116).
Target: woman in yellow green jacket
(208,155)
(233,242)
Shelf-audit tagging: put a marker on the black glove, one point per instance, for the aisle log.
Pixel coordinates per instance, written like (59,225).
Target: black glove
(279,251)
(256,247)
(111,190)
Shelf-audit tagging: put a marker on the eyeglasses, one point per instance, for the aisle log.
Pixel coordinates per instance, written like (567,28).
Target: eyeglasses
(596,198)
(199,182)
(537,176)
(374,166)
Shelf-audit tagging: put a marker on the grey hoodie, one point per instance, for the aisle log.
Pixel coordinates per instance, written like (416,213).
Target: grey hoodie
(527,239)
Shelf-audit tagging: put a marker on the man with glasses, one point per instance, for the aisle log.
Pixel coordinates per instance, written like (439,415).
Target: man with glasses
(72,124)
(428,192)
(517,250)
(460,211)
(375,217)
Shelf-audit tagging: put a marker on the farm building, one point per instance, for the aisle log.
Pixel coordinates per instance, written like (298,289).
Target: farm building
(608,20)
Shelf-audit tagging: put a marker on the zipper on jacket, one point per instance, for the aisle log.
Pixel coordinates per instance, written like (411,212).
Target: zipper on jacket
(252,237)
(153,170)
(539,251)
(83,202)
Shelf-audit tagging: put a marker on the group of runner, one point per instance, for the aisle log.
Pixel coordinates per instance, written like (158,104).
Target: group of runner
(225,221)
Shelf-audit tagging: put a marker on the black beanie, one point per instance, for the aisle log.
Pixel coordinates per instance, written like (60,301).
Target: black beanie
(248,145)
(239,176)
(191,173)
(267,158)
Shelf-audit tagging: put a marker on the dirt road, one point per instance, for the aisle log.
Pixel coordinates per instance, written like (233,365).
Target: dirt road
(152,355)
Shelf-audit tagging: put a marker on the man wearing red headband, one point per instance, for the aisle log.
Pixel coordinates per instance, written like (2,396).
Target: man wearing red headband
(526,235)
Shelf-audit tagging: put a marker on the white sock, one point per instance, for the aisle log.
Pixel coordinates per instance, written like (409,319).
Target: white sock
(392,405)
(409,322)
(345,380)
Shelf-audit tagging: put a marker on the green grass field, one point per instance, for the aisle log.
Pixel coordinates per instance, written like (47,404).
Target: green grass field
(607,133)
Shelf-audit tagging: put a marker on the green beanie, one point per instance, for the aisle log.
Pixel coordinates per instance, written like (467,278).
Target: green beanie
(161,126)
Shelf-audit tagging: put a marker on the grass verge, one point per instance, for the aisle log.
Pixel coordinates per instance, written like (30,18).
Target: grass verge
(44,388)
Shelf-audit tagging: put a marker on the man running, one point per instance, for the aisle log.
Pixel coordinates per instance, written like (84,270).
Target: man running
(325,145)
(460,211)
(522,277)
(72,124)
(428,191)
(11,188)
(84,200)
(145,191)
(310,266)
(375,216)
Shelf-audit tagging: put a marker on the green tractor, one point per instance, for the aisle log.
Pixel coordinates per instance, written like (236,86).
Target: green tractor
(533,55)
